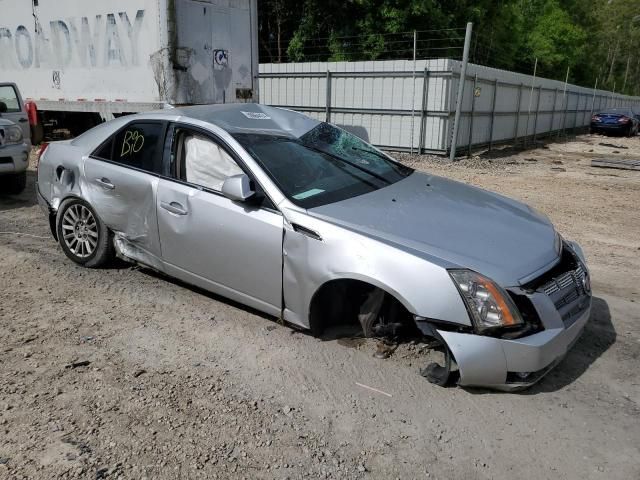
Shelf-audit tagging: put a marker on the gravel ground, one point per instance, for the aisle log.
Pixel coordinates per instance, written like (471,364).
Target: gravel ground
(121,373)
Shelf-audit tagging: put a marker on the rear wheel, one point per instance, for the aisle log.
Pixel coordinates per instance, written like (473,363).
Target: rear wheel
(13,184)
(82,235)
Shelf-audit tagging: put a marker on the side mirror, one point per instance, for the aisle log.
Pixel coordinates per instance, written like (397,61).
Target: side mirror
(237,188)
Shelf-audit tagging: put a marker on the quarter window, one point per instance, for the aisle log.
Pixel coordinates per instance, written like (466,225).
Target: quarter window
(137,145)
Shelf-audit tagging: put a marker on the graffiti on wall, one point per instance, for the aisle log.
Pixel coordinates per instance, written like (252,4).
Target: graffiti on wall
(102,41)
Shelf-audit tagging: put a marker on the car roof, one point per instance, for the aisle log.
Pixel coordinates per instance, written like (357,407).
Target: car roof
(234,118)
(249,118)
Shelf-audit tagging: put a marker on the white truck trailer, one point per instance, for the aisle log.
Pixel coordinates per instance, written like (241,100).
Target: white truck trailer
(83,61)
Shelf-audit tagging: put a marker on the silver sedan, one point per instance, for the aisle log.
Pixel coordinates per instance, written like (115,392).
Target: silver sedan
(306,222)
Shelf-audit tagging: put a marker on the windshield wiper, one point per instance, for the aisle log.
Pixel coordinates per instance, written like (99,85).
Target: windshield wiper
(362,169)
(397,166)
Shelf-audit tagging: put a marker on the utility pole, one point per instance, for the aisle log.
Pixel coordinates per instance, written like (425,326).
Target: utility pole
(463,78)
(613,59)
(535,70)
(593,98)
(626,72)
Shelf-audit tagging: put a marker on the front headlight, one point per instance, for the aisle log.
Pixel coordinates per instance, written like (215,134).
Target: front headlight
(488,304)
(12,134)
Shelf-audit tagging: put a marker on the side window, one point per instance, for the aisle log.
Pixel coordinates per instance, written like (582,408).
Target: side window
(8,100)
(137,145)
(203,162)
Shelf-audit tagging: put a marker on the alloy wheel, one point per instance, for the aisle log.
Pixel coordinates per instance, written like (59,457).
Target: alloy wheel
(80,230)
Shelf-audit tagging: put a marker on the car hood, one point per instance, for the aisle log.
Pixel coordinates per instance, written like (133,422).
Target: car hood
(461,225)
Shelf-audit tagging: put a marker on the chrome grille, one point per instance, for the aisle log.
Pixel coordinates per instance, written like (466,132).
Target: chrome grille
(567,279)
(567,292)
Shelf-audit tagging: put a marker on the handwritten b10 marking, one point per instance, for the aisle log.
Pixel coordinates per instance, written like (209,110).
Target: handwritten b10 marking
(132,143)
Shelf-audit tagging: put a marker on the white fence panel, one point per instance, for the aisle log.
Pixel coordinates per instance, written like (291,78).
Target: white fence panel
(390,105)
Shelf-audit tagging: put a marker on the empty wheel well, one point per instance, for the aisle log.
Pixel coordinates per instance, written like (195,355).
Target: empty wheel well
(339,302)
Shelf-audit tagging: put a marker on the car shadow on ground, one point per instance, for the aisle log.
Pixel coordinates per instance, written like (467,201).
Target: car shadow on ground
(23,200)
(119,263)
(598,336)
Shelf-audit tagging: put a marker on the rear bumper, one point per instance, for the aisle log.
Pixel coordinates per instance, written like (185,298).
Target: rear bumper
(14,158)
(611,127)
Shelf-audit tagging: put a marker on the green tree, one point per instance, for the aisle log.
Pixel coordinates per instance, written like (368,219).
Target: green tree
(555,40)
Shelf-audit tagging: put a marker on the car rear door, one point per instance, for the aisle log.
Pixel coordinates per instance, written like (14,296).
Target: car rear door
(121,182)
(231,248)
(12,108)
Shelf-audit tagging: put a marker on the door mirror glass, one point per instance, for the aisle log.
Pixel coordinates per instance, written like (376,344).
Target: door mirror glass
(237,188)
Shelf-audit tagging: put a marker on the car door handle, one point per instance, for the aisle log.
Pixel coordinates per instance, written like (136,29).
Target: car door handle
(23,120)
(106,183)
(174,207)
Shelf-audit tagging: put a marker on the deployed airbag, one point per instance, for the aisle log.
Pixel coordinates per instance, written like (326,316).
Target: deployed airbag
(207,164)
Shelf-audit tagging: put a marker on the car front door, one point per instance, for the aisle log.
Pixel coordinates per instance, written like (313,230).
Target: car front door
(231,248)
(12,108)
(121,181)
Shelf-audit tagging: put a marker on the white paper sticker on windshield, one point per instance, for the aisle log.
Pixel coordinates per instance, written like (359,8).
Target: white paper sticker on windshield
(256,116)
(308,193)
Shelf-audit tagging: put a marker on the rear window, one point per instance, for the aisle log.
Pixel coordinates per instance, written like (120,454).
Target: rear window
(138,145)
(9,100)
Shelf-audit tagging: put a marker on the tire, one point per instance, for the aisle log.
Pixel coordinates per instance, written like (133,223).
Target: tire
(37,134)
(88,241)
(15,183)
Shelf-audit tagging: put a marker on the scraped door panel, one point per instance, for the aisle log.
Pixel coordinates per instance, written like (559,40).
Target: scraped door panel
(124,199)
(220,245)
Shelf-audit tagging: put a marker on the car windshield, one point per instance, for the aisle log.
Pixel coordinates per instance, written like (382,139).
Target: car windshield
(325,165)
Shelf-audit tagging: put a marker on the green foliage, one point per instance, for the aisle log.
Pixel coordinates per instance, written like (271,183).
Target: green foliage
(555,40)
(595,38)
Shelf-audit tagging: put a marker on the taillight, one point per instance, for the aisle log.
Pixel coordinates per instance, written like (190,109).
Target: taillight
(624,120)
(41,150)
(32,112)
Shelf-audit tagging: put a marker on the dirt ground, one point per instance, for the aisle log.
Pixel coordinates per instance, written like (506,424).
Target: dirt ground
(121,373)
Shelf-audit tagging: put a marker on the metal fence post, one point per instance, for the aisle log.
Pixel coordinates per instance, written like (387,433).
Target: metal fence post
(413,94)
(575,123)
(533,81)
(493,112)
(423,112)
(564,115)
(535,120)
(473,110)
(566,103)
(463,78)
(328,99)
(553,112)
(515,135)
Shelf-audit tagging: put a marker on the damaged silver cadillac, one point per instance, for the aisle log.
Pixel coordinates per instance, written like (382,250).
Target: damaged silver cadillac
(307,222)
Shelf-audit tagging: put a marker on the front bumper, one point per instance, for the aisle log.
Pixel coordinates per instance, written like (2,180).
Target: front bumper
(14,158)
(502,364)
(563,305)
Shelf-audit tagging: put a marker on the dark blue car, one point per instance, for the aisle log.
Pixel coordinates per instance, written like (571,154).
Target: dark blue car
(621,121)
